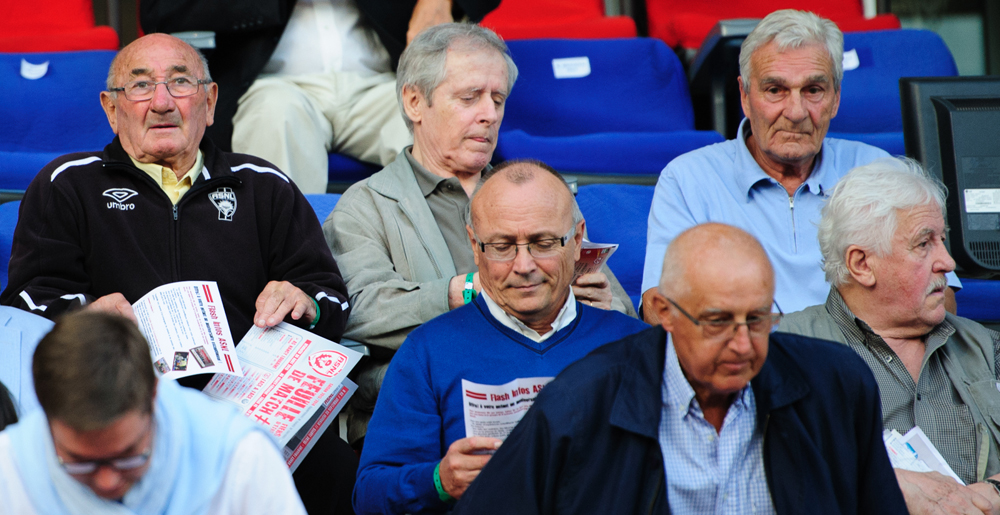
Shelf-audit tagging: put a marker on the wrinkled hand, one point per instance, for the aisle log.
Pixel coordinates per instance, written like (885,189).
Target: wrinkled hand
(280,298)
(460,466)
(593,290)
(426,14)
(931,493)
(114,303)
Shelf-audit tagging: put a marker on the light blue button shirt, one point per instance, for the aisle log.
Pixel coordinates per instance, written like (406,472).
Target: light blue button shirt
(723,183)
(20,332)
(709,472)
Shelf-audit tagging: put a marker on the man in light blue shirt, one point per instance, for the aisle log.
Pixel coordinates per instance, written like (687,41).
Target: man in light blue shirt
(20,333)
(773,179)
(702,458)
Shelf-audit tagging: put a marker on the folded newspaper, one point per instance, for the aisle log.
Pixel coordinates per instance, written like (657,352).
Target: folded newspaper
(287,379)
(915,452)
(592,256)
(294,384)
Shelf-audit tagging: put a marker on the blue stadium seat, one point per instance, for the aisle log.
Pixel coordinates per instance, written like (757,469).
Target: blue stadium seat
(344,169)
(619,213)
(55,114)
(978,300)
(322,204)
(605,107)
(869,99)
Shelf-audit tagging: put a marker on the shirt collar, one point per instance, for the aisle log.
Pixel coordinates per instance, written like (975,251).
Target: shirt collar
(860,330)
(564,318)
(678,395)
(426,180)
(749,173)
(156,171)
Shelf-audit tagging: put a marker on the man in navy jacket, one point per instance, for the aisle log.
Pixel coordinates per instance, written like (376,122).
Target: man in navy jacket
(702,415)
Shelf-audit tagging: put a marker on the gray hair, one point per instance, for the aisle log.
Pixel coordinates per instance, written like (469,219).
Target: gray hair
(521,174)
(791,29)
(422,64)
(112,79)
(862,209)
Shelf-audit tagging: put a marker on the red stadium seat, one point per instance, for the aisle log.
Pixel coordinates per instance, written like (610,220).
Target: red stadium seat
(576,19)
(53,26)
(685,23)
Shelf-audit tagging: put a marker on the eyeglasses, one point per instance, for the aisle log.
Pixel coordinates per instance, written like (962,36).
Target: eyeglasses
(126,464)
(544,248)
(757,324)
(178,87)
(83,468)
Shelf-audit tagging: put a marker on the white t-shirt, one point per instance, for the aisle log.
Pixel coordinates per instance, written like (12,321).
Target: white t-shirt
(251,485)
(325,36)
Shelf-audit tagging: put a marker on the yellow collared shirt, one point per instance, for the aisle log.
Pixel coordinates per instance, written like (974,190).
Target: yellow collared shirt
(167,179)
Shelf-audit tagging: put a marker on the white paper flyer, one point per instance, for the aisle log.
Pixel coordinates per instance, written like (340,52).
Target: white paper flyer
(187,330)
(494,410)
(592,256)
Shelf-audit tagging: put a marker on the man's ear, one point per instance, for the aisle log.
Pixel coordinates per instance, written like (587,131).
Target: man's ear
(578,239)
(661,306)
(744,96)
(412,99)
(859,265)
(472,241)
(212,98)
(110,109)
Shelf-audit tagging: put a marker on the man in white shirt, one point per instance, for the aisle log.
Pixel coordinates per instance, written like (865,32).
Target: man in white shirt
(110,439)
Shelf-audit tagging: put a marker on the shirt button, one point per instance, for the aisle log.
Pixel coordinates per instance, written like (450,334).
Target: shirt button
(888,359)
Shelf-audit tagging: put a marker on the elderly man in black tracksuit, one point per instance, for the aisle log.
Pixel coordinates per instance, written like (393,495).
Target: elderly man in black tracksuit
(162,204)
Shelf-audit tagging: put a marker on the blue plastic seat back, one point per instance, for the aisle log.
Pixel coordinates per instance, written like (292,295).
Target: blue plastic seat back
(619,213)
(322,204)
(344,168)
(978,300)
(57,113)
(607,85)
(869,99)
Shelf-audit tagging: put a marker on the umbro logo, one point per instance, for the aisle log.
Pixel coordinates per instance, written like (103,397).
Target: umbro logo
(119,196)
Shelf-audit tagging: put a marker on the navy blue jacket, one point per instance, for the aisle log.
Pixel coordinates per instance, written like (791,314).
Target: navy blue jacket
(589,444)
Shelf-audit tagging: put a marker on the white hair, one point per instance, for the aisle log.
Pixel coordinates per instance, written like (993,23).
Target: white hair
(422,64)
(862,210)
(791,29)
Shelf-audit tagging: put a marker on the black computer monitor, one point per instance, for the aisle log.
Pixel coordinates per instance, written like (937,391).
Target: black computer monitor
(952,126)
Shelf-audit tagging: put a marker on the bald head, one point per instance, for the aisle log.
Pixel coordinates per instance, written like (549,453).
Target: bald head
(504,181)
(118,74)
(526,232)
(710,251)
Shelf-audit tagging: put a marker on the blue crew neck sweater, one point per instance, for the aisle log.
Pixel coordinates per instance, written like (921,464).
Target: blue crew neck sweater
(419,412)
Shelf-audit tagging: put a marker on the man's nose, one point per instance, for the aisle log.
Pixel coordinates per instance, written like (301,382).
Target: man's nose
(740,342)
(524,262)
(795,108)
(944,262)
(162,99)
(489,112)
(106,479)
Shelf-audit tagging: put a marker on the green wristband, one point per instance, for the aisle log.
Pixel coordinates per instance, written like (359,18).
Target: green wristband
(442,493)
(316,319)
(469,292)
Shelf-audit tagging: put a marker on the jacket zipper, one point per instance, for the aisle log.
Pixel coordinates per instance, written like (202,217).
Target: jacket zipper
(791,210)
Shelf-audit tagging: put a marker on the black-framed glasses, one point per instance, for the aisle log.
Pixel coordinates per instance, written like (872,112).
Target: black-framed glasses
(543,248)
(757,324)
(178,87)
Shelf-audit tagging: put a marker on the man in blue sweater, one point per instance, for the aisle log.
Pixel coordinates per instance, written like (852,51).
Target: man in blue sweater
(425,441)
